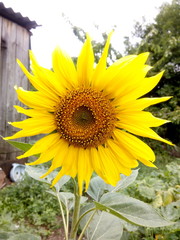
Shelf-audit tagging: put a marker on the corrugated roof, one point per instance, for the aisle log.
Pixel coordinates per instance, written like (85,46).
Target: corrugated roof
(17,17)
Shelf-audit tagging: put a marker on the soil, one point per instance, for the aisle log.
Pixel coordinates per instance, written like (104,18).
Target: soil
(56,235)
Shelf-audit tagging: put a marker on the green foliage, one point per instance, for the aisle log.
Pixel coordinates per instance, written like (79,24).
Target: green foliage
(20,145)
(25,204)
(162,183)
(103,226)
(131,210)
(108,200)
(30,202)
(158,187)
(162,40)
(161,189)
(98,187)
(36,173)
(117,210)
(26,236)
(97,46)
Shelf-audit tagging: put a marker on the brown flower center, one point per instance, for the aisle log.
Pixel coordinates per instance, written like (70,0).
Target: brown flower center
(85,118)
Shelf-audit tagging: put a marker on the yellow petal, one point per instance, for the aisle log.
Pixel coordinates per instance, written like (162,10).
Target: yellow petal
(32,112)
(41,145)
(59,158)
(69,166)
(46,76)
(47,121)
(84,168)
(48,154)
(129,77)
(123,156)
(32,132)
(41,83)
(72,157)
(147,163)
(139,118)
(101,66)
(60,174)
(121,168)
(143,131)
(135,146)
(85,63)
(142,103)
(36,100)
(64,69)
(141,89)
(95,160)
(108,167)
(111,72)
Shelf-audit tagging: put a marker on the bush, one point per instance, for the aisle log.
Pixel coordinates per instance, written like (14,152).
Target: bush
(27,204)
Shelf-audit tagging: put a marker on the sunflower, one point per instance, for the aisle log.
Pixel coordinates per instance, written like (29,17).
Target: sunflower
(89,115)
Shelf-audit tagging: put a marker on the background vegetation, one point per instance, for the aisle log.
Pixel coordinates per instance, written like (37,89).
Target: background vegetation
(27,207)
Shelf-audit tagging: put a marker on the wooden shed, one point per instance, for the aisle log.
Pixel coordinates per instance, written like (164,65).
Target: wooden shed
(14,43)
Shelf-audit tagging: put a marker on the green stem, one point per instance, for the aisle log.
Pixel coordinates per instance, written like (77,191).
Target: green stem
(80,218)
(86,225)
(67,220)
(63,217)
(75,213)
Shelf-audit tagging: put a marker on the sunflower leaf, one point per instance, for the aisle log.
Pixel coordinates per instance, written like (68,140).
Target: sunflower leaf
(20,145)
(125,181)
(68,199)
(131,210)
(100,225)
(98,187)
(37,172)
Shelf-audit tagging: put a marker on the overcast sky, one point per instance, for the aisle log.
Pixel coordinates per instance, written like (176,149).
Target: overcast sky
(55,29)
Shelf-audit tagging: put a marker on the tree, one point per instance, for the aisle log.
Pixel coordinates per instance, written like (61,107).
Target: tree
(97,46)
(162,40)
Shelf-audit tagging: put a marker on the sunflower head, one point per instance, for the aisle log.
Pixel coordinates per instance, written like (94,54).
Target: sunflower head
(85,118)
(90,114)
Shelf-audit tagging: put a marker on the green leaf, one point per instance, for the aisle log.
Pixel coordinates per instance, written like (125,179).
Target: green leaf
(36,173)
(67,198)
(131,210)
(171,211)
(97,186)
(147,192)
(20,145)
(125,181)
(5,235)
(103,226)
(26,236)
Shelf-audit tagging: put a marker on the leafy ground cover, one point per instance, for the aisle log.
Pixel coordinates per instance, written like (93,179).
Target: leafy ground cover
(27,207)
(161,188)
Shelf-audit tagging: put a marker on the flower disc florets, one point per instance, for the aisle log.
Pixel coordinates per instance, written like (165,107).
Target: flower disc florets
(85,118)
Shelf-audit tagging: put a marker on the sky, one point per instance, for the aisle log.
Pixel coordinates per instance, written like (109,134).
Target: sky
(87,14)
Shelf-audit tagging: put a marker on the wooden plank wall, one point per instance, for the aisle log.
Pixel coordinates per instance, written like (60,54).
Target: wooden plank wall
(14,43)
